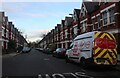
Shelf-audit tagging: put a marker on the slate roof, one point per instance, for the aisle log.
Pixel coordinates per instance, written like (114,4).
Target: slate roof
(90,6)
(77,12)
(69,20)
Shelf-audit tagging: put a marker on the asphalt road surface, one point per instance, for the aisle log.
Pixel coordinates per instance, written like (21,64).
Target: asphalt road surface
(36,64)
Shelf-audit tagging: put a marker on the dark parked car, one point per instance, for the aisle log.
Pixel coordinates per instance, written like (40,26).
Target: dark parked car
(47,51)
(19,49)
(39,49)
(59,52)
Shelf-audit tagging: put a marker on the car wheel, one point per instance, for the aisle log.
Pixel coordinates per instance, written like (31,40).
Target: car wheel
(83,62)
(67,60)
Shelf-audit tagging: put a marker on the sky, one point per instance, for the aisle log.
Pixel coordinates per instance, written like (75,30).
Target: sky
(34,18)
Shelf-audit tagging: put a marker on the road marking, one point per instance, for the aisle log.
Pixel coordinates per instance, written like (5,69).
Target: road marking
(83,70)
(82,74)
(39,76)
(46,59)
(71,74)
(47,76)
(57,75)
(66,75)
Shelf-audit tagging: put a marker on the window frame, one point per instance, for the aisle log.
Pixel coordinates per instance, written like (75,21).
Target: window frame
(105,18)
(111,15)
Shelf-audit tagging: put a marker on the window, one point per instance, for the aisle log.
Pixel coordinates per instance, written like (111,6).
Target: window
(66,33)
(111,15)
(2,32)
(61,26)
(57,29)
(93,22)
(7,34)
(2,43)
(83,11)
(66,23)
(84,26)
(108,16)
(105,18)
(75,30)
(3,19)
(62,35)
(6,45)
(98,20)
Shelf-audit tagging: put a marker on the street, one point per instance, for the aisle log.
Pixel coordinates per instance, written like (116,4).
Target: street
(36,64)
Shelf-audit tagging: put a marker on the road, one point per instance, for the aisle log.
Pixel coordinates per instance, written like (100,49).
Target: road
(36,64)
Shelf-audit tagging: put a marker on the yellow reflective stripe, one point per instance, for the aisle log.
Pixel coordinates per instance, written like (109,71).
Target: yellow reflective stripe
(97,50)
(101,53)
(103,35)
(96,35)
(110,58)
(107,56)
(109,36)
(115,51)
(107,62)
(113,36)
(112,53)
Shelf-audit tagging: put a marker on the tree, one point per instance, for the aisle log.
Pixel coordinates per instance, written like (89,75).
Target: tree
(43,35)
(30,44)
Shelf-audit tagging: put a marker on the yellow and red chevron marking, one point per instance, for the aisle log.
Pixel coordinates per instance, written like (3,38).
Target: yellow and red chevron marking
(104,35)
(105,47)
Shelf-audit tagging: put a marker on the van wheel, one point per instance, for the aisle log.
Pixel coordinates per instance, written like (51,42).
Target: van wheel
(67,59)
(83,62)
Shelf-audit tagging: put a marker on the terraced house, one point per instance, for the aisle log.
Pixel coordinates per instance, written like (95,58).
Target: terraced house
(9,33)
(92,16)
(101,16)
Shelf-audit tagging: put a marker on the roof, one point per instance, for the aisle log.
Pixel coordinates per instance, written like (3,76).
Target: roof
(77,12)
(90,6)
(69,20)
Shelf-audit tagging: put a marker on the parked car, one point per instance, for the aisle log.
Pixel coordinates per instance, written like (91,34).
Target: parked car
(59,52)
(39,49)
(47,50)
(19,49)
(26,49)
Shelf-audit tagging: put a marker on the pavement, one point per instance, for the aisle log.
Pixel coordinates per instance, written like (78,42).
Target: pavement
(118,59)
(10,55)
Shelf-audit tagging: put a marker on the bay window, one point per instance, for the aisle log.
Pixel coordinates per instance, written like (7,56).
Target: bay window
(108,16)
(98,19)
(111,15)
(75,30)
(105,18)
(2,32)
(66,33)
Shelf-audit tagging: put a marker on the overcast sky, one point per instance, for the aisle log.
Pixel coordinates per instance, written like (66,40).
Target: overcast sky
(36,18)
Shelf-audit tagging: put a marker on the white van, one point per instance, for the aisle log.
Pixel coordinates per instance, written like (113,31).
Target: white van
(93,48)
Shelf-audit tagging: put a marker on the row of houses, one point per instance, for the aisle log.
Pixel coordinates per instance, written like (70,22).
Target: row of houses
(9,33)
(92,16)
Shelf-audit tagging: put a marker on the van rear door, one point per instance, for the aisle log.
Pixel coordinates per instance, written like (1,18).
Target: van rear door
(105,49)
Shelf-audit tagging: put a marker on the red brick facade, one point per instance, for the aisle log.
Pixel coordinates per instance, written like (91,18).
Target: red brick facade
(8,32)
(93,16)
